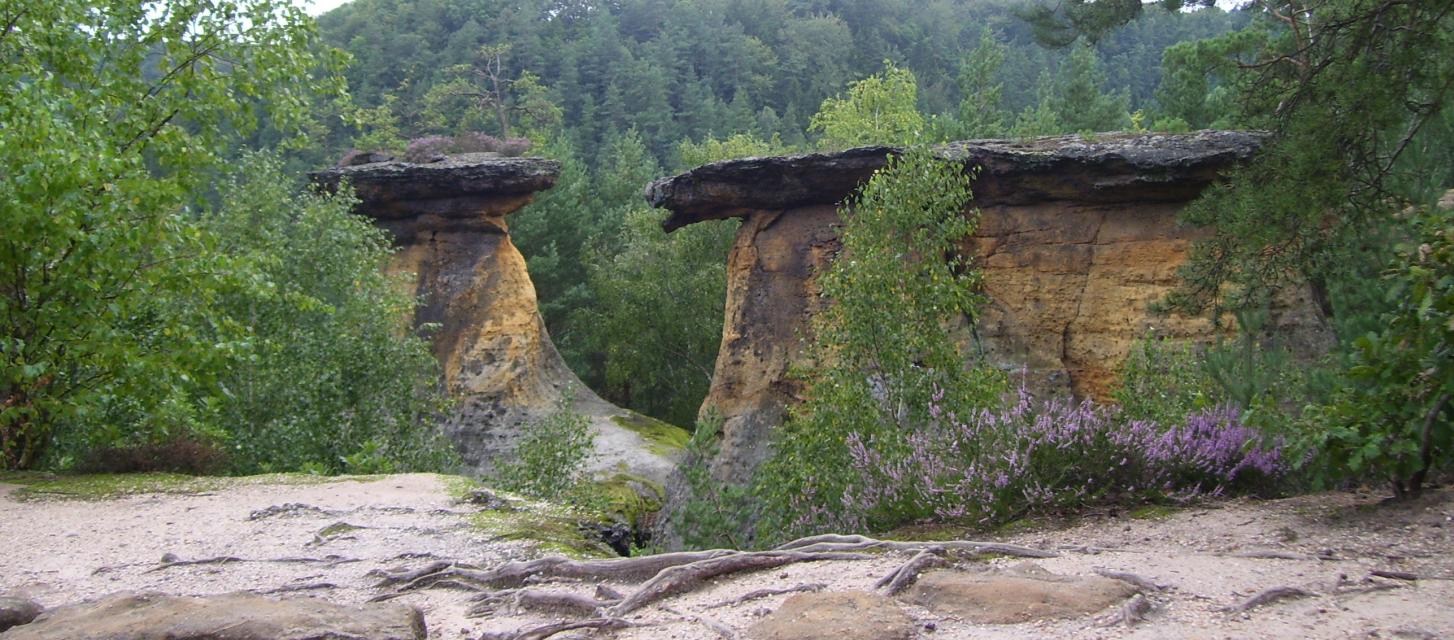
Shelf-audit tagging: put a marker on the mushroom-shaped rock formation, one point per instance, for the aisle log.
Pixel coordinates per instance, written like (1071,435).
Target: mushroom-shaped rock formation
(1076,238)
(448,221)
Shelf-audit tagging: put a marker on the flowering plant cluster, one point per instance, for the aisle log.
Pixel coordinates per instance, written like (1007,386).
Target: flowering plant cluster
(1031,455)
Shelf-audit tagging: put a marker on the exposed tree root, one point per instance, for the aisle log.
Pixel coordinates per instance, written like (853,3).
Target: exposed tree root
(291,588)
(766,593)
(1130,612)
(171,560)
(678,579)
(1394,575)
(515,574)
(1368,588)
(1271,554)
(401,576)
(833,542)
(1268,597)
(546,631)
(908,573)
(723,631)
(503,588)
(516,600)
(1142,583)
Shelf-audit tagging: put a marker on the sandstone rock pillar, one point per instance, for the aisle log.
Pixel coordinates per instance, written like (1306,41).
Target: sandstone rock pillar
(1077,237)
(479,309)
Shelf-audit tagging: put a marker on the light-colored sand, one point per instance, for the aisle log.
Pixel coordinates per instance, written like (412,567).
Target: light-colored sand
(58,552)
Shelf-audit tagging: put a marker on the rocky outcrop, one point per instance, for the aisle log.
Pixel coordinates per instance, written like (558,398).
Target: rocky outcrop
(1024,593)
(15,611)
(847,615)
(1076,238)
(233,616)
(478,307)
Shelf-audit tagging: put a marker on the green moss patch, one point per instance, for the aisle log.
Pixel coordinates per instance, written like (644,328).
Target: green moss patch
(628,498)
(335,530)
(106,486)
(549,528)
(103,486)
(661,438)
(1152,512)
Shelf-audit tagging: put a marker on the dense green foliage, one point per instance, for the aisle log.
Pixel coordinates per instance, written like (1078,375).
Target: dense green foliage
(326,379)
(105,280)
(1356,94)
(880,109)
(137,309)
(671,69)
(1395,419)
(881,350)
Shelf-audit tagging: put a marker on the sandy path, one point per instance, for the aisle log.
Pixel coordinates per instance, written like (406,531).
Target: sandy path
(62,551)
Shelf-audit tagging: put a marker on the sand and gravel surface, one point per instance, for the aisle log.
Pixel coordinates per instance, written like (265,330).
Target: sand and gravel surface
(324,539)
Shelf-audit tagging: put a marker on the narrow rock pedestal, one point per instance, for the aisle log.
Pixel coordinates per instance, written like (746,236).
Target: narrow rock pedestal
(480,311)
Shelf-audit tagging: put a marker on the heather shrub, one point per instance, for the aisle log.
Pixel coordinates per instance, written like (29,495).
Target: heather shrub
(981,468)
(1165,382)
(430,148)
(994,465)
(475,142)
(514,147)
(427,148)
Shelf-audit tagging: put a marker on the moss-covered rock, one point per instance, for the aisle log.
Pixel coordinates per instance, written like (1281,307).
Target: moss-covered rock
(661,438)
(547,527)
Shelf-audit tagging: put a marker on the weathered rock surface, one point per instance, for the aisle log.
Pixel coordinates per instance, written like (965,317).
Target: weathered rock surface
(234,616)
(1076,239)
(1022,594)
(15,611)
(850,615)
(448,220)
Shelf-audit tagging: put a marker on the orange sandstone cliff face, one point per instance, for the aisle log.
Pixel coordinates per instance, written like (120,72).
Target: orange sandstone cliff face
(1076,239)
(479,309)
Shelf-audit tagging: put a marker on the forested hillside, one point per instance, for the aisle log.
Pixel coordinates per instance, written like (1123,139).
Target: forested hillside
(672,70)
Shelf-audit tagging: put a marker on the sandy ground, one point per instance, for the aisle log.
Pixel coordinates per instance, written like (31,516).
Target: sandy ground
(58,552)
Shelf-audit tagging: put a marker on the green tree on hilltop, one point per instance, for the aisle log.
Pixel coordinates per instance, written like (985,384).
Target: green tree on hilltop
(1080,101)
(981,110)
(880,109)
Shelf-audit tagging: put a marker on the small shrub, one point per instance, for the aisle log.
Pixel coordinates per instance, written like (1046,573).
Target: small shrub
(1164,381)
(189,454)
(710,514)
(514,147)
(550,462)
(881,345)
(430,148)
(476,142)
(351,157)
(1394,417)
